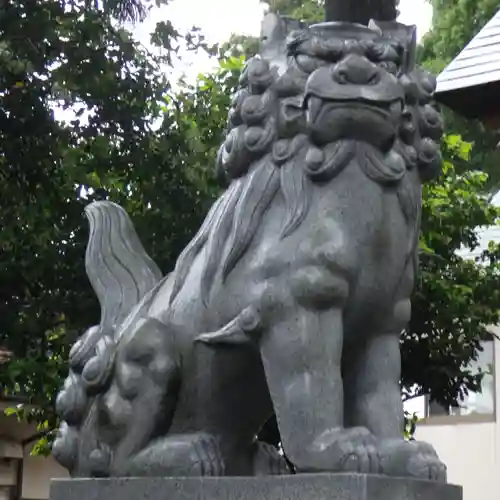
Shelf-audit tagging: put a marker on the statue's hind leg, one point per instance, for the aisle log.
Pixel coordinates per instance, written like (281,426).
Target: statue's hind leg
(372,371)
(182,455)
(141,402)
(301,352)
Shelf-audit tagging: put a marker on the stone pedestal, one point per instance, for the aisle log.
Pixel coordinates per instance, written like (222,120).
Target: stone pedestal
(299,487)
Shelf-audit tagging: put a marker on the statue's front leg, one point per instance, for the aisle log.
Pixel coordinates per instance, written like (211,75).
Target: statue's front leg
(301,353)
(373,400)
(372,371)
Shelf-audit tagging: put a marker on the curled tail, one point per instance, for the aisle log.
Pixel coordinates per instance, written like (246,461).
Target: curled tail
(119,269)
(121,274)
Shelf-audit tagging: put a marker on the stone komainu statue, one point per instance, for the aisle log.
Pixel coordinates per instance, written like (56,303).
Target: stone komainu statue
(291,297)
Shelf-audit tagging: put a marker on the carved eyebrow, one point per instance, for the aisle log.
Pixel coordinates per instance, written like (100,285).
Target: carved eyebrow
(327,50)
(307,63)
(295,39)
(387,50)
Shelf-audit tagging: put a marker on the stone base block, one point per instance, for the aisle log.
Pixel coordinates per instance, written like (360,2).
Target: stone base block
(298,487)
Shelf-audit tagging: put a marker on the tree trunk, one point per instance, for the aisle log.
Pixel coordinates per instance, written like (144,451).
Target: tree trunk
(361,11)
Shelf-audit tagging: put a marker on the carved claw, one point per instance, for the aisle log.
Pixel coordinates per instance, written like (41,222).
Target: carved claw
(227,335)
(210,460)
(268,461)
(357,452)
(244,329)
(411,458)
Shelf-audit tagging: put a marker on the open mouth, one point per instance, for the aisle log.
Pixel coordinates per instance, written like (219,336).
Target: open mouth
(383,108)
(362,119)
(375,107)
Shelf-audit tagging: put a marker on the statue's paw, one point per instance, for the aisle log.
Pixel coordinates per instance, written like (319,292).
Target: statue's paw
(425,463)
(268,461)
(411,459)
(182,455)
(210,461)
(348,450)
(99,461)
(358,451)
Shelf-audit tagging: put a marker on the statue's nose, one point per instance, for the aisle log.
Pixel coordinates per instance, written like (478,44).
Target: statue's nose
(356,70)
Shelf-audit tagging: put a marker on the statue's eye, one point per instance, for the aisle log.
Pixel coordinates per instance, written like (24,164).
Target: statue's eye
(309,64)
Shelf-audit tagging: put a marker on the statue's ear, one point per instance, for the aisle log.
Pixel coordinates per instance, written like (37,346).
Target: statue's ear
(404,34)
(275,36)
(275,28)
(272,30)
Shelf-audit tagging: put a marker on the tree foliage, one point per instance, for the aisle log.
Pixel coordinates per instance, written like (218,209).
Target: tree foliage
(311,10)
(454,24)
(456,298)
(86,113)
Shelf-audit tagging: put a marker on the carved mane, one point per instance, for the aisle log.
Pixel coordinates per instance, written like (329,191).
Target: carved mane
(267,151)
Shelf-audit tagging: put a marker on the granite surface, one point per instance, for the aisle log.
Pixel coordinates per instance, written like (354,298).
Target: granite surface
(298,487)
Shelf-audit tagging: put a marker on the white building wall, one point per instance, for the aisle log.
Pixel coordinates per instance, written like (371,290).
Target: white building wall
(469,445)
(470,451)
